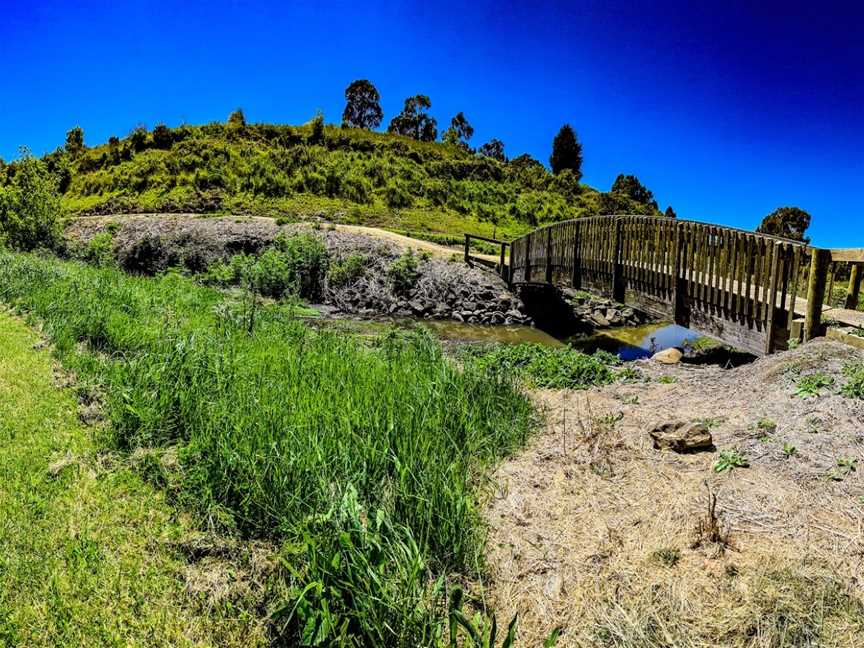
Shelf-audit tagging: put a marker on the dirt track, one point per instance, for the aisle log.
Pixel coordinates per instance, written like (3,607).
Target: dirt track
(592,529)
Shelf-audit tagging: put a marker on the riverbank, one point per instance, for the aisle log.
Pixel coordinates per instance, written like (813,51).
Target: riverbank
(596,531)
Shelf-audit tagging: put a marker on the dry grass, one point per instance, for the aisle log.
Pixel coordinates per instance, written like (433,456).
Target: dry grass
(593,530)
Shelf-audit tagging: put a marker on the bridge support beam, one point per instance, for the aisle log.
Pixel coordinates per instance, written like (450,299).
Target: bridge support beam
(617,267)
(854,287)
(819,263)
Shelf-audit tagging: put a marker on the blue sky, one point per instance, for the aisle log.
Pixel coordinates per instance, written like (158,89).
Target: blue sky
(724,111)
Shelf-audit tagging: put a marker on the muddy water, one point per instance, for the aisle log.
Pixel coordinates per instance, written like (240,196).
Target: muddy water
(629,343)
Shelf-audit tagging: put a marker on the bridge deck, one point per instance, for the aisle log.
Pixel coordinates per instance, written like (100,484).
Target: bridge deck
(741,287)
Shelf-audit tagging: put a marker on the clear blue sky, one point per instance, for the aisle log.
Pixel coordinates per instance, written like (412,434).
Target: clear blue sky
(724,112)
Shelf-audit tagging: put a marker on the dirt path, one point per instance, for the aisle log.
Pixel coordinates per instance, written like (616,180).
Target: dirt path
(436,250)
(595,531)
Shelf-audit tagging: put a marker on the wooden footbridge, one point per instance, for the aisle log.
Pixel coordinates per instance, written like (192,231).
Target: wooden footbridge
(750,290)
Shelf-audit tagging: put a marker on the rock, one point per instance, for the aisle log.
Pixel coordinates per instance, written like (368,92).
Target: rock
(668,356)
(469,306)
(680,436)
(599,320)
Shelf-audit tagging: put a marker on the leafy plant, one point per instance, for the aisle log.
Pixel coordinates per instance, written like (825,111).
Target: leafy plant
(404,272)
(845,466)
(347,270)
(667,380)
(30,206)
(789,450)
(729,460)
(854,373)
(667,556)
(812,384)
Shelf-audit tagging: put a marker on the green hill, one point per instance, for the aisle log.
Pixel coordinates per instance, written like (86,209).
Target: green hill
(302,172)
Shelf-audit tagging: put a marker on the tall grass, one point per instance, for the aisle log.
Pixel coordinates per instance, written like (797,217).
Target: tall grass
(362,462)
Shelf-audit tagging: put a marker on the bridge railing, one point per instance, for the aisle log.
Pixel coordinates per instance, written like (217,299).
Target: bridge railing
(741,286)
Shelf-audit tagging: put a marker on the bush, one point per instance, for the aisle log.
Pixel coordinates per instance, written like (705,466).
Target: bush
(294,266)
(404,272)
(397,196)
(30,206)
(347,271)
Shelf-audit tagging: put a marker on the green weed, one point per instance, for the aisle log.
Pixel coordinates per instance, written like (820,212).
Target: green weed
(729,460)
(812,384)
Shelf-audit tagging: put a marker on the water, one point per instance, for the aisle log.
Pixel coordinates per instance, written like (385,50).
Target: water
(636,342)
(628,343)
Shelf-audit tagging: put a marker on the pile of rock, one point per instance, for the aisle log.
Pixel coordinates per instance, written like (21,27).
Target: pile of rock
(602,312)
(443,290)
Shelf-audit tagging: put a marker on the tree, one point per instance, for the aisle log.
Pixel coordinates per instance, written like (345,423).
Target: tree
(566,152)
(75,141)
(317,134)
(237,119)
(414,121)
(494,149)
(138,138)
(460,131)
(670,213)
(788,222)
(30,206)
(630,186)
(362,107)
(162,137)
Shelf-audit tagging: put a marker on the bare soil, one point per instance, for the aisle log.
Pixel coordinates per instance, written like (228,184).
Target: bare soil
(595,531)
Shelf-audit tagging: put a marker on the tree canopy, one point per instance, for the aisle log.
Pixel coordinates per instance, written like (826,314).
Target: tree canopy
(494,149)
(460,130)
(414,121)
(670,213)
(75,140)
(630,186)
(788,222)
(362,105)
(566,152)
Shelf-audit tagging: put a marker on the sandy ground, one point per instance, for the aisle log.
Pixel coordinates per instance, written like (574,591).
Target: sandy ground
(439,251)
(594,531)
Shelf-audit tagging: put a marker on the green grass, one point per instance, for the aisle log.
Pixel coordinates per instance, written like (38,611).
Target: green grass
(812,384)
(85,555)
(362,463)
(544,366)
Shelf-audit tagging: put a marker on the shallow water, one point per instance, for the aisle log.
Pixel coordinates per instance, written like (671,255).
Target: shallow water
(628,343)
(635,342)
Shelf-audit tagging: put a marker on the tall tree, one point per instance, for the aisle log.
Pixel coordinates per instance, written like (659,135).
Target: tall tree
(630,186)
(362,105)
(494,149)
(414,121)
(788,222)
(237,119)
(566,152)
(460,131)
(75,140)
(670,213)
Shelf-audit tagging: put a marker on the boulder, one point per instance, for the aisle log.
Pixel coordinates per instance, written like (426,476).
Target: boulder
(680,436)
(668,356)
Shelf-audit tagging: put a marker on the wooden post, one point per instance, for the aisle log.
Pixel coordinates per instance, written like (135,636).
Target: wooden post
(677,283)
(617,279)
(527,258)
(501,269)
(467,247)
(854,287)
(576,280)
(816,292)
(773,281)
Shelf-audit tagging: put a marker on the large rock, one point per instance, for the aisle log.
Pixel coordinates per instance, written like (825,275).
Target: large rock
(680,436)
(668,356)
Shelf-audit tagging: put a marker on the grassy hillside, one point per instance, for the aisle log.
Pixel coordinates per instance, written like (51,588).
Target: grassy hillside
(300,172)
